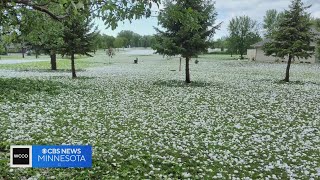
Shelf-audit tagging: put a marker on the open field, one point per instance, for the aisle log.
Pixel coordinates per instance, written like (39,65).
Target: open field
(235,121)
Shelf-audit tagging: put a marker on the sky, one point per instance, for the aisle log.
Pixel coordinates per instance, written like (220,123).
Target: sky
(226,9)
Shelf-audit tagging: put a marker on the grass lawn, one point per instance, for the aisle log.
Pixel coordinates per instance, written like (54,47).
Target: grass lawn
(63,64)
(16,56)
(235,121)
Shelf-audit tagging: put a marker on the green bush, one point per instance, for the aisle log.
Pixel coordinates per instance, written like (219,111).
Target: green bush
(2,50)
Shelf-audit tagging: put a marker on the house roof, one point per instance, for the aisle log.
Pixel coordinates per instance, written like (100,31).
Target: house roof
(261,43)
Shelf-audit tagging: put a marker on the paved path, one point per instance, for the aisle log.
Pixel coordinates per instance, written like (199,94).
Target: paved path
(139,52)
(15,61)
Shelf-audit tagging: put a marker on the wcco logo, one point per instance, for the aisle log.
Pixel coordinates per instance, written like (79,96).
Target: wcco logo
(20,156)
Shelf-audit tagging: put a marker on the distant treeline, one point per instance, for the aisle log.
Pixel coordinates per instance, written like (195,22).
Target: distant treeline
(124,39)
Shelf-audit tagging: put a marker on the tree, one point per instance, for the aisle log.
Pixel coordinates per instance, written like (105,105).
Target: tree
(147,41)
(111,11)
(271,22)
(97,42)
(243,32)
(2,46)
(220,43)
(103,41)
(188,26)
(38,5)
(316,25)
(232,47)
(136,39)
(77,37)
(132,38)
(119,42)
(40,37)
(108,40)
(293,37)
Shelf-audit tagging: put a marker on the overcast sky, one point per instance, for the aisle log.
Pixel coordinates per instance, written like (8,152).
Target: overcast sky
(226,9)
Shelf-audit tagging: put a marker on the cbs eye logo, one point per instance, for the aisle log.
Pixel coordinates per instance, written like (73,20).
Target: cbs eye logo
(20,156)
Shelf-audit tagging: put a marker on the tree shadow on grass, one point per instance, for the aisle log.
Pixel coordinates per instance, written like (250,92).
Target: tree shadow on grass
(14,88)
(177,83)
(84,78)
(297,82)
(70,78)
(51,71)
(288,83)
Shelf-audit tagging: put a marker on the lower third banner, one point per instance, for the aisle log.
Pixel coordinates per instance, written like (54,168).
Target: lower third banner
(61,156)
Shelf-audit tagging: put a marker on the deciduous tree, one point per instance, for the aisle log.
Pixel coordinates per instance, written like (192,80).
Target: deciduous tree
(45,34)
(119,42)
(271,22)
(243,32)
(111,11)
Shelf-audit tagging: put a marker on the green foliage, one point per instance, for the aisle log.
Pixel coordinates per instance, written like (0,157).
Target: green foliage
(108,40)
(77,35)
(316,24)
(39,36)
(25,23)
(2,48)
(220,43)
(132,38)
(102,41)
(188,25)
(119,42)
(13,88)
(271,21)
(243,32)
(147,41)
(293,37)
(111,11)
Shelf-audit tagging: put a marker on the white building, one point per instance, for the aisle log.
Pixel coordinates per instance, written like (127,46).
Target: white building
(257,54)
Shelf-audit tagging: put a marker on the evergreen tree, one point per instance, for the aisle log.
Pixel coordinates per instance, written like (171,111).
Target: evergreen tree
(294,37)
(316,24)
(77,37)
(188,26)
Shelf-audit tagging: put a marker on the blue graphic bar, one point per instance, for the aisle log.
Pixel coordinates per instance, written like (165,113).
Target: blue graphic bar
(62,156)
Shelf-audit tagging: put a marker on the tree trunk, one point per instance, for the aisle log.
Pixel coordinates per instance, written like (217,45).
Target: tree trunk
(53,61)
(180,64)
(73,69)
(187,70)
(22,50)
(288,69)
(241,55)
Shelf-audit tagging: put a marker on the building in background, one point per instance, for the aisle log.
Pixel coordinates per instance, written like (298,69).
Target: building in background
(257,53)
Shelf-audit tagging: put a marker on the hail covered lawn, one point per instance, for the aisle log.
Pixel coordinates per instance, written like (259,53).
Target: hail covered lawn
(235,121)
